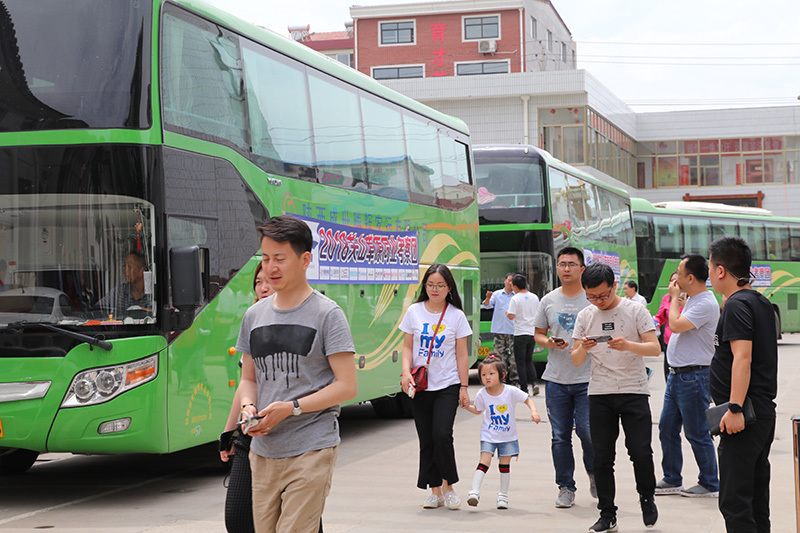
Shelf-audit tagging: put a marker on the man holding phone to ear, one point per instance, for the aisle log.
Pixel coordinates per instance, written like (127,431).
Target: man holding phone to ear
(617,389)
(565,384)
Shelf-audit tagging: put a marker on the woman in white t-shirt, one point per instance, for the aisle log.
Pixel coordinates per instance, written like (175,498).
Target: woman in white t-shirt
(448,374)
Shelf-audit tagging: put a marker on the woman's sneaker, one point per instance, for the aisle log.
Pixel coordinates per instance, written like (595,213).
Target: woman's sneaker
(473,498)
(502,500)
(606,523)
(432,502)
(452,501)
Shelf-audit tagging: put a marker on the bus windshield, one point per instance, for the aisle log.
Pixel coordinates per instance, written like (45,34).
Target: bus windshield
(510,192)
(77,64)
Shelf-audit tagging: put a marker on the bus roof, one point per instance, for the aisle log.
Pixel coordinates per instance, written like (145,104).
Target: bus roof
(523,150)
(708,209)
(315,59)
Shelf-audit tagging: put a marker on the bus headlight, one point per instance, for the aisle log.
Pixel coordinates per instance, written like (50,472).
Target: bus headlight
(98,385)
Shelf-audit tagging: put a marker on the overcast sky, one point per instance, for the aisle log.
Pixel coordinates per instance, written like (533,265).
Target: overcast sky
(686,53)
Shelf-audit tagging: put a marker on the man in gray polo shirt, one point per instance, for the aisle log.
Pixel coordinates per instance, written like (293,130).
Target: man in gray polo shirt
(687,395)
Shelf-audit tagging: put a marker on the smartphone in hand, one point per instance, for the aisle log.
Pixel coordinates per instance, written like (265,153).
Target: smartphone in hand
(557,340)
(599,338)
(249,422)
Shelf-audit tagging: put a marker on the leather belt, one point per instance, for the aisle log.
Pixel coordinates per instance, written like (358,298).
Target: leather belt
(684,369)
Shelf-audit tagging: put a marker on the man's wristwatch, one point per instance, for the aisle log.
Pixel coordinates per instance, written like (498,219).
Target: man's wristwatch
(734,408)
(296,411)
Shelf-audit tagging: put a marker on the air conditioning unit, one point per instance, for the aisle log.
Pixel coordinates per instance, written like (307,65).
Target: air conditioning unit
(487,46)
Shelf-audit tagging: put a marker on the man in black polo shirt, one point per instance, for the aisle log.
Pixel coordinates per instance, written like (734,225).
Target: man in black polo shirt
(745,365)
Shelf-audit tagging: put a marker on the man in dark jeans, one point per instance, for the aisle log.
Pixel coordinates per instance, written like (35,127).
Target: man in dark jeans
(618,333)
(745,365)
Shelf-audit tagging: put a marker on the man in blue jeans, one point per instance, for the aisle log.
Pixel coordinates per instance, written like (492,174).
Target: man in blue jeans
(687,395)
(565,384)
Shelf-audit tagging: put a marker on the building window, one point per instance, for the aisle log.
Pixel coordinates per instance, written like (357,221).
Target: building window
(394,73)
(482,27)
(564,52)
(486,67)
(346,59)
(533,29)
(397,32)
(549,41)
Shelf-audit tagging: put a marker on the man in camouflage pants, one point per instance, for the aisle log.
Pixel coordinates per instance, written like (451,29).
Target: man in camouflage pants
(502,327)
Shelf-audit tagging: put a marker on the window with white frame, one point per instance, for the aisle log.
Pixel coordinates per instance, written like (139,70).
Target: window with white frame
(549,41)
(483,67)
(533,29)
(399,32)
(482,27)
(399,72)
(564,52)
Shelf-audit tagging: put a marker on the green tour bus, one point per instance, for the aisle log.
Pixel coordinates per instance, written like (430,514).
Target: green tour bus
(167,131)
(531,205)
(666,231)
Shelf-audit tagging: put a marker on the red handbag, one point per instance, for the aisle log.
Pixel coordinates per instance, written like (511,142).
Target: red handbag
(419,373)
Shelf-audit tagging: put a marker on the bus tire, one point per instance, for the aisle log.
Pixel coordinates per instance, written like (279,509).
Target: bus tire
(16,461)
(777,323)
(389,407)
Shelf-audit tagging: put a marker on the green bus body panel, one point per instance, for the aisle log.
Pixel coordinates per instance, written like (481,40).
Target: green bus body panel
(43,426)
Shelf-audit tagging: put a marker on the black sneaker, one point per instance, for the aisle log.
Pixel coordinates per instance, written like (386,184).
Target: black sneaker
(649,510)
(606,523)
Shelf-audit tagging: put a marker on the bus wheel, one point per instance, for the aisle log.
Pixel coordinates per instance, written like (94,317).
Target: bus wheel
(388,407)
(16,461)
(777,323)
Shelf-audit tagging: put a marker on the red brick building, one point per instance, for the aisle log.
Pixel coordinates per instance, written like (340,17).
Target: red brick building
(460,38)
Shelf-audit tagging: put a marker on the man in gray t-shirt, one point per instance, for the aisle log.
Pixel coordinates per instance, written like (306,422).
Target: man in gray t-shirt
(565,384)
(688,394)
(298,366)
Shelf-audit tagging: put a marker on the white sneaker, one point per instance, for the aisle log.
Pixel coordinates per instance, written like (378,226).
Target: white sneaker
(432,502)
(502,500)
(473,498)
(452,501)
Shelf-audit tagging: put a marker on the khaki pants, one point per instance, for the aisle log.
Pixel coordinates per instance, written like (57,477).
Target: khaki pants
(289,494)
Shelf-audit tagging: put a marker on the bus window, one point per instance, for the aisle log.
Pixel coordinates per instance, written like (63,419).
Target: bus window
(795,243)
(669,236)
(579,207)
(387,164)
(280,121)
(425,167)
(698,236)
(456,191)
(778,243)
(201,80)
(511,191)
(753,234)
(561,209)
(722,228)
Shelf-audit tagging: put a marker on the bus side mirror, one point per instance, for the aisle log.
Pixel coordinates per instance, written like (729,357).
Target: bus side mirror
(186,280)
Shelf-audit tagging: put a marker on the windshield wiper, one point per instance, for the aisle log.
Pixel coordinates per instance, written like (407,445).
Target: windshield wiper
(91,341)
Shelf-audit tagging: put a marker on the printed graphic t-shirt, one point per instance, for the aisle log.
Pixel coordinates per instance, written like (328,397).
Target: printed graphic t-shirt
(290,349)
(498,423)
(443,370)
(558,313)
(615,371)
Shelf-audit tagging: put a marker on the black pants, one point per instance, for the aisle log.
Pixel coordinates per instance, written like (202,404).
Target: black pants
(239,498)
(605,413)
(434,415)
(523,354)
(744,474)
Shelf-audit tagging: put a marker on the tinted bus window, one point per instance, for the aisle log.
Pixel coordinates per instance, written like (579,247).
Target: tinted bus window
(698,235)
(753,234)
(511,190)
(387,164)
(778,243)
(668,235)
(201,82)
(722,228)
(425,167)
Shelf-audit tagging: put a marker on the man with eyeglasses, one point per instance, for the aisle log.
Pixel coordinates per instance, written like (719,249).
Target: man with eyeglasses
(618,333)
(745,366)
(502,327)
(565,384)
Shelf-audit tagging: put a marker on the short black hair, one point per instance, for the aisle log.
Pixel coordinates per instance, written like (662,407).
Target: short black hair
(519,281)
(286,228)
(734,254)
(632,284)
(596,274)
(569,250)
(512,274)
(139,258)
(696,265)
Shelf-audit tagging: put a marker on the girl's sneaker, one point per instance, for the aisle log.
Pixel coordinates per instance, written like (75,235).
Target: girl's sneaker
(502,500)
(433,502)
(473,498)
(452,501)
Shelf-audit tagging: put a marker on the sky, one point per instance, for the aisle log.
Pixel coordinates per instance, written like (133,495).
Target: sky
(655,56)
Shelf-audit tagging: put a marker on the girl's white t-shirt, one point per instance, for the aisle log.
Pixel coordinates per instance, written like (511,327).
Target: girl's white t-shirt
(443,370)
(498,423)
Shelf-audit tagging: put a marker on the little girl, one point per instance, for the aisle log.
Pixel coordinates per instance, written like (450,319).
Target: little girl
(497,402)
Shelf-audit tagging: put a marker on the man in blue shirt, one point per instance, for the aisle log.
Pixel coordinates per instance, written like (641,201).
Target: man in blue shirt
(502,327)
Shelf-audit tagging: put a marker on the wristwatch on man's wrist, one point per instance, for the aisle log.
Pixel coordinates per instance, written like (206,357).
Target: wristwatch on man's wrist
(296,411)
(734,408)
